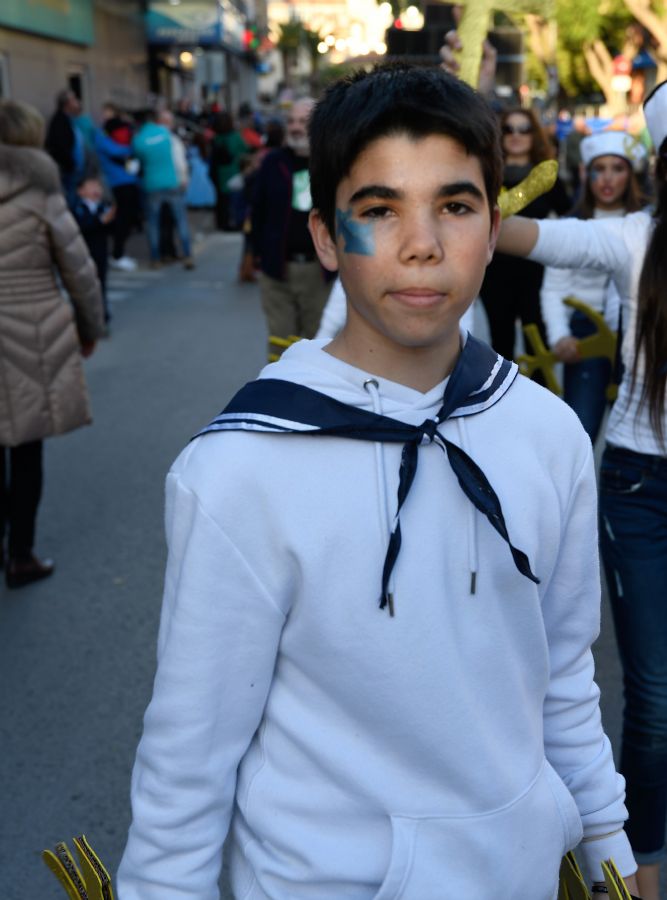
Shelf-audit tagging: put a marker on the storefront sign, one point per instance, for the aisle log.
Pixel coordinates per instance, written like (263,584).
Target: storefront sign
(191,22)
(68,20)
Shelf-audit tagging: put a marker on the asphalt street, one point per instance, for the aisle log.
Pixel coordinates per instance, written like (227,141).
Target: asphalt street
(77,652)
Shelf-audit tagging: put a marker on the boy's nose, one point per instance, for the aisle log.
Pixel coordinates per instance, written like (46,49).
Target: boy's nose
(422,242)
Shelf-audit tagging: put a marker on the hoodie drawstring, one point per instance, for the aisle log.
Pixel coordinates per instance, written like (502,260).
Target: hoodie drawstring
(372,387)
(471,514)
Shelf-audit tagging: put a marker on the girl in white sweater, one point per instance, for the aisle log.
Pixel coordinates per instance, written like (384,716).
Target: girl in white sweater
(609,189)
(633,489)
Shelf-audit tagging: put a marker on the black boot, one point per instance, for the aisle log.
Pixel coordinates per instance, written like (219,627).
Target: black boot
(24,570)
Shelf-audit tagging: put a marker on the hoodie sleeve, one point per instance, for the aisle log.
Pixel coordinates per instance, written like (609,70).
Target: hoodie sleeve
(217,646)
(575,743)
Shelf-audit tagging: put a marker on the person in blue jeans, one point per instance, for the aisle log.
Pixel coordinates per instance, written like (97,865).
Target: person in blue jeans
(633,478)
(609,188)
(153,147)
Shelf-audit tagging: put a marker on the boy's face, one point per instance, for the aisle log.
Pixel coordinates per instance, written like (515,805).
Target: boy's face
(91,189)
(414,235)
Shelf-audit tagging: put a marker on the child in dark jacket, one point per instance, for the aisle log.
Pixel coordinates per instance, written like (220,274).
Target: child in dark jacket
(94,216)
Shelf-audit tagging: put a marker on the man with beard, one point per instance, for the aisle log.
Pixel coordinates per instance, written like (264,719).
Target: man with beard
(293,284)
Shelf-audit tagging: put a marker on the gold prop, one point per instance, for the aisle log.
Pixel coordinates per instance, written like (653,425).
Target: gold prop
(539,180)
(600,344)
(89,882)
(279,344)
(615,885)
(474,26)
(571,884)
(540,360)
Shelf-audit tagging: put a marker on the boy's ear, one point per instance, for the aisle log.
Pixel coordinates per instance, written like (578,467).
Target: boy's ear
(496,222)
(325,246)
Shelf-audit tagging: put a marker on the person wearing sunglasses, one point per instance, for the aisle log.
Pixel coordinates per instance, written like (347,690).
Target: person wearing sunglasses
(511,288)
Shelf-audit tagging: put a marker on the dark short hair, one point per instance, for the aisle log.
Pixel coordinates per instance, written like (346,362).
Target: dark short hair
(395,99)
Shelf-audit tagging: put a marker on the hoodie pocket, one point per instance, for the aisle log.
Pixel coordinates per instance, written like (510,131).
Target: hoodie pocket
(514,851)
(403,841)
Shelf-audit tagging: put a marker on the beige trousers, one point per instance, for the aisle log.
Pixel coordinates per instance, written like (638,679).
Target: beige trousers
(294,307)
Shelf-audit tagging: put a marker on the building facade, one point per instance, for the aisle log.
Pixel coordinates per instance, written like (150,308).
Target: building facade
(95,47)
(127,51)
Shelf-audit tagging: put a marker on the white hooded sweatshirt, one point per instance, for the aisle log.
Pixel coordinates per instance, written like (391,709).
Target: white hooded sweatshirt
(452,751)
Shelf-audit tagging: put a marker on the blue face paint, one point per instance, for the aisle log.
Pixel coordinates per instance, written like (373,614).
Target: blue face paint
(358,237)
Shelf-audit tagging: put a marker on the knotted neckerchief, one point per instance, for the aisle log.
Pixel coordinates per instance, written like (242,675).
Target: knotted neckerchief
(479,379)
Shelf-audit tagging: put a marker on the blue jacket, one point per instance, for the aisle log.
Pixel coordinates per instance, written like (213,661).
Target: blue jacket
(112,157)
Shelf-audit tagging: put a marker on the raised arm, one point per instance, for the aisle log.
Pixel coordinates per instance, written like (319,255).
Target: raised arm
(518,236)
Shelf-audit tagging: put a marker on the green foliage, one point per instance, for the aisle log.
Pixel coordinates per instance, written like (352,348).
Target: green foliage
(535,73)
(290,35)
(310,40)
(580,23)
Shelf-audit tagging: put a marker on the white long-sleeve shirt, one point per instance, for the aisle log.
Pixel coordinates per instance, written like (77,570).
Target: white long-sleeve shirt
(591,286)
(616,246)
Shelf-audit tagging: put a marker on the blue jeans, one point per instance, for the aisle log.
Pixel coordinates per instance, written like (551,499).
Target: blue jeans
(633,541)
(585,382)
(176,201)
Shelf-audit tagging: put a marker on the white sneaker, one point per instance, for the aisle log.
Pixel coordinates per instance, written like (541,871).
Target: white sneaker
(125,263)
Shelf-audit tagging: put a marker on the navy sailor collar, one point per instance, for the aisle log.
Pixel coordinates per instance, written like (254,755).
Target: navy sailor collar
(478,381)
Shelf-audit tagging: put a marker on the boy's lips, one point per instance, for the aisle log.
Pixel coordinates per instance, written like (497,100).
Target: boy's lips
(417,296)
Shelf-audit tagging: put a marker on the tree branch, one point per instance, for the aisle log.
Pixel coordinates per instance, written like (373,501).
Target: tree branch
(599,62)
(657,25)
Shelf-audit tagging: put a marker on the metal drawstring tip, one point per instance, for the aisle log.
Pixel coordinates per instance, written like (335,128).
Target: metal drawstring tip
(473,582)
(390,604)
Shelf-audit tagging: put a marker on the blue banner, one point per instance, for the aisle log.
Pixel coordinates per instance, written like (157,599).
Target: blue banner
(190,22)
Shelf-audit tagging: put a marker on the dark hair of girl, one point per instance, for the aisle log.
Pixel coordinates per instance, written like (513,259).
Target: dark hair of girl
(633,199)
(651,335)
(541,147)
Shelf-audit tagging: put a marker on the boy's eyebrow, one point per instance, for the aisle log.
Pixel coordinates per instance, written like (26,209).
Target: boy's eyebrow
(461,187)
(383,192)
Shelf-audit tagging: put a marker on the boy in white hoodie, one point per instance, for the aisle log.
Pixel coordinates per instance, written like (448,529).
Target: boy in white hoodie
(374,665)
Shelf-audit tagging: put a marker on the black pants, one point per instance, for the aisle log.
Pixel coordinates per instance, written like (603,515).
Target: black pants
(20,493)
(128,214)
(222,210)
(511,291)
(167,225)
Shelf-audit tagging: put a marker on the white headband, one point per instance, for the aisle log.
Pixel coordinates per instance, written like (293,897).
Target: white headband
(655,113)
(612,143)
